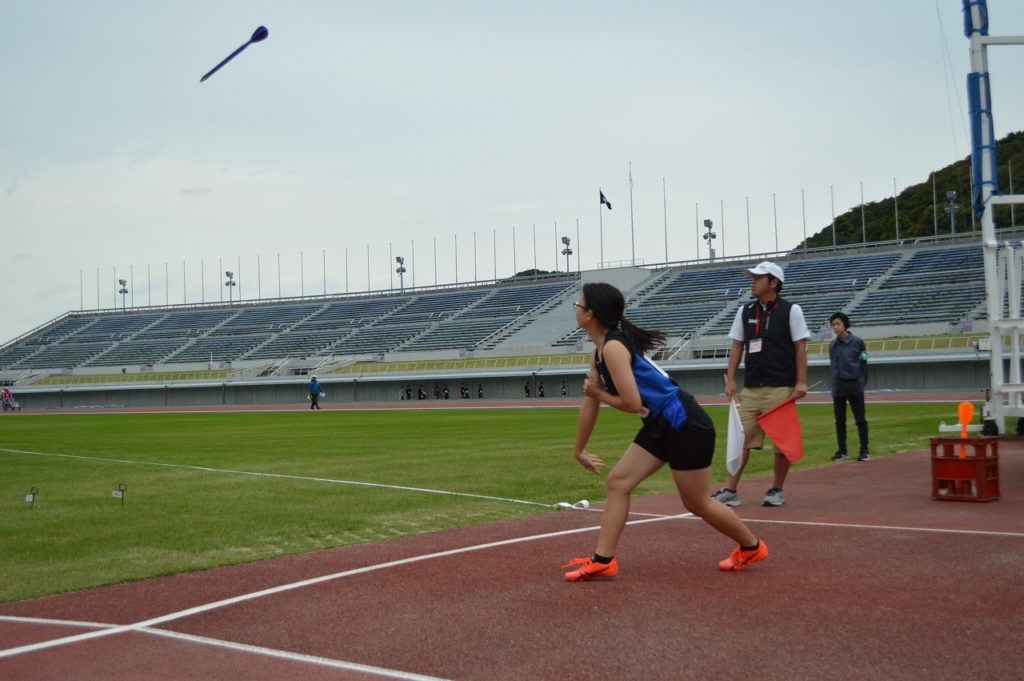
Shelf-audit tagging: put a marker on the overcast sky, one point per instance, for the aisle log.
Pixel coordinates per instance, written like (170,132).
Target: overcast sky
(376,128)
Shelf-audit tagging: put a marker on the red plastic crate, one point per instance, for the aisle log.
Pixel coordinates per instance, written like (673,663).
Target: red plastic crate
(972,478)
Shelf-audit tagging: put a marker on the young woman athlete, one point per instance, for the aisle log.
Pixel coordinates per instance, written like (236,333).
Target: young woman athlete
(676,431)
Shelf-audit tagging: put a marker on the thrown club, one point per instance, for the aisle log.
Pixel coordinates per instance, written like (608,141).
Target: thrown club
(259,34)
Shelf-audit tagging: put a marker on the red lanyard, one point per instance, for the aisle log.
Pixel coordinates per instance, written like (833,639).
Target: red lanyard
(767,317)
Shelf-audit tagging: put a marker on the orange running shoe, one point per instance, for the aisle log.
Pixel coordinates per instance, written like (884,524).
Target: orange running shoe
(739,560)
(589,569)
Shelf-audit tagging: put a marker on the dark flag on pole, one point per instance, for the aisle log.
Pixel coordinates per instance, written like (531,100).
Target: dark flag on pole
(604,200)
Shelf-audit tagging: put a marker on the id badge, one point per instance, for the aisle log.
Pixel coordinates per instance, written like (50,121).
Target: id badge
(755,346)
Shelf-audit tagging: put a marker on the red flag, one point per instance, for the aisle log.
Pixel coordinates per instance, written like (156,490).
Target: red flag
(782,424)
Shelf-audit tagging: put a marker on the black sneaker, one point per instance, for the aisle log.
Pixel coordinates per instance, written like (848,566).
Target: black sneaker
(840,456)
(863,456)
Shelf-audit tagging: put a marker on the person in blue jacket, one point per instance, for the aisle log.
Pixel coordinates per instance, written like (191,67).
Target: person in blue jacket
(315,390)
(675,430)
(848,369)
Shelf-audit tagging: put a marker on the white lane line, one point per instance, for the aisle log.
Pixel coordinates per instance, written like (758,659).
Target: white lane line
(282,476)
(897,528)
(242,647)
(199,609)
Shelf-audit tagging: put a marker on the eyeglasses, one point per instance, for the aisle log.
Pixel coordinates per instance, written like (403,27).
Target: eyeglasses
(581,307)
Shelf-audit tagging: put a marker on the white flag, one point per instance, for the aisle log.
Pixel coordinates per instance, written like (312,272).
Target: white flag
(734,444)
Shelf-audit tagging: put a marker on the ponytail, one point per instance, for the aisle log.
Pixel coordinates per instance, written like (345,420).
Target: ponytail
(641,340)
(608,305)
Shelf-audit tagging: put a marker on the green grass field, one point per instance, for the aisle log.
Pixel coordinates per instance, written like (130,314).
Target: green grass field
(193,501)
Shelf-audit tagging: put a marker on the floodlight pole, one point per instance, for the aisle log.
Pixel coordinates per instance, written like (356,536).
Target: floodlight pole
(400,270)
(567,251)
(123,290)
(230,283)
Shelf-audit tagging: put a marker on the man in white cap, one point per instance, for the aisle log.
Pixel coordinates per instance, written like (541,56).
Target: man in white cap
(772,334)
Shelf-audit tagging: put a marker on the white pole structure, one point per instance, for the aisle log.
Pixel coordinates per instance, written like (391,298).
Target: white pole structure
(664,212)
(131,281)
(935,205)
(577,245)
(302,275)
(1002,269)
(534,250)
(202,280)
(323,253)
(696,229)
(721,223)
(97,288)
(1013,207)
(557,253)
(456,258)
(167,283)
(149,286)
(600,226)
(475,279)
(494,252)
(775,219)
(896,207)
(515,266)
(238,271)
(435,261)
(81,289)
(259,278)
(412,250)
(803,213)
(863,223)
(632,237)
(279,272)
(832,197)
(368,267)
(750,248)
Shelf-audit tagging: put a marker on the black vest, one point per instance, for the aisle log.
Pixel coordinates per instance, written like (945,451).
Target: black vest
(775,365)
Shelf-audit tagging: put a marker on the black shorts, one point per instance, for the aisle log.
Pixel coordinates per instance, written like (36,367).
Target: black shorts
(690,448)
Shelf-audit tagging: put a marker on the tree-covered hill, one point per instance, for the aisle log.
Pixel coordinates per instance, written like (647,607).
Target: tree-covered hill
(917,208)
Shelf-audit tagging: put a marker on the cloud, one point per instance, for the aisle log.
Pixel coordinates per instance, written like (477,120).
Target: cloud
(195,191)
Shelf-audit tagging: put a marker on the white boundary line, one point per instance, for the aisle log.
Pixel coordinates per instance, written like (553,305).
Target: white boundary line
(199,609)
(181,614)
(284,476)
(242,647)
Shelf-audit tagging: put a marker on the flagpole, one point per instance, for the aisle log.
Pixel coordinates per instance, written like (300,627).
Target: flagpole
(632,239)
(664,212)
(600,225)
(578,244)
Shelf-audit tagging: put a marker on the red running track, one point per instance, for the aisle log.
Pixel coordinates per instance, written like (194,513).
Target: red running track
(868,578)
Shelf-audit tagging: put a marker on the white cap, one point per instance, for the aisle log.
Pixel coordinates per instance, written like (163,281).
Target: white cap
(767,267)
(314,378)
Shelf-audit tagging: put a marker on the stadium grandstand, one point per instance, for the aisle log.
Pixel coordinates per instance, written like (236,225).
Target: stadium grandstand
(921,306)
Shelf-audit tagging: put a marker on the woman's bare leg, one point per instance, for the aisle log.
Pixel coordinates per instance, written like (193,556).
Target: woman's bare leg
(635,466)
(692,486)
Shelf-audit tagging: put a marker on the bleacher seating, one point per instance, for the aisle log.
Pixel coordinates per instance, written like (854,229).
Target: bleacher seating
(892,287)
(186,324)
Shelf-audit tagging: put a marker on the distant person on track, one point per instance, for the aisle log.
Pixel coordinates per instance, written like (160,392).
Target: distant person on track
(8,399)
(772,334)
(675,430)
(848,369)
(315,393)
(526,389)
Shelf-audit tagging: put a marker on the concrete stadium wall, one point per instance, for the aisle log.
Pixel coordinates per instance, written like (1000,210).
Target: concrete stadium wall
(704,378)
